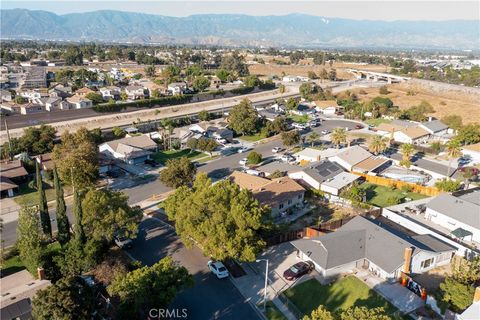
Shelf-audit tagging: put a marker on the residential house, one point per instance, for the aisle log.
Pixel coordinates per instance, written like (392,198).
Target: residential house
(284,167)
(269,114)
(457,212)
(110,92)
(414,135)
(29,108)
(387,129)
(316,173)
(472,151)
(78,102)
(10,107)
(135,92)
(368,244)
(5,96)
(35,78)
(308,155)
(328,107)
(336,184)
(60,91)
(52,103)
(372,165)
(213,129)
(132,150)
(11,174)
(45,161)
(31,95)
(351,156)
(281,195)
(177,87)
(82,92)
(304,109)
(435,128)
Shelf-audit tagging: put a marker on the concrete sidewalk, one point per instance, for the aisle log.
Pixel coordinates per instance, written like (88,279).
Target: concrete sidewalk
(252,287)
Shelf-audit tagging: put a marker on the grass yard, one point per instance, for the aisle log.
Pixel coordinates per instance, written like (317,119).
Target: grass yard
(377,122)
(272,312)
(342,294)
(163,156)
(253,137)
(299,119)
(28,196)
(12,265)
(379,195)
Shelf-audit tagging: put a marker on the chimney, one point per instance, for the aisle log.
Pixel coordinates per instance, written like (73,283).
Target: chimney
(476,296)
(407,256)
(41,273)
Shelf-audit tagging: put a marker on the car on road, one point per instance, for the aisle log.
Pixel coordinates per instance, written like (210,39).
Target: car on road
(297,270)
(358,126)
(243,149)
(122,241)
(314,123)
(277,149)
(325,131)
(243,162)
(218,269)
(299,126)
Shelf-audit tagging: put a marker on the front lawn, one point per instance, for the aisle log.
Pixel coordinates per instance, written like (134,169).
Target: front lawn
(253,137)
(379,195)
(272,312)
(342,294)
(377,122)
(12,265)
(299,119)
(163,156)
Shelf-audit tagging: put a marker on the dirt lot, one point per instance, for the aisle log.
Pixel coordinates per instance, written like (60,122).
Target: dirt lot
(305,66)
(445,103)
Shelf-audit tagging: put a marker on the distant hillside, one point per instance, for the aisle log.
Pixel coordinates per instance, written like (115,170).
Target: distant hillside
(238,30)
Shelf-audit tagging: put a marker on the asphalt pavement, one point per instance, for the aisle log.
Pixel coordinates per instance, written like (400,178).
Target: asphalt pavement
(210,298)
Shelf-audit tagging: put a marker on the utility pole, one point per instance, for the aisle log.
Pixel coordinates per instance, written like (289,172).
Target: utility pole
(10,154)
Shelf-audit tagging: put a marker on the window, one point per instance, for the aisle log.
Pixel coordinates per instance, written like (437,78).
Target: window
(280,206)
(289,201)
(427,263)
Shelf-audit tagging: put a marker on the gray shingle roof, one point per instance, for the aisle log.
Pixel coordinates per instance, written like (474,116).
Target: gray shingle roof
(458,208)
(435,125)
(363,238)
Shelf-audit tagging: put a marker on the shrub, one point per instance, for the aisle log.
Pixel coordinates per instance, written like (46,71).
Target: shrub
(393,200)
(447,185)
(383,90)
(254,158)
(406,188)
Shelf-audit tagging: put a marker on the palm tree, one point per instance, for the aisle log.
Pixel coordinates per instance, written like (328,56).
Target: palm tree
(454,150)
(339,136)
(407,152)
(377,145)
(313,137)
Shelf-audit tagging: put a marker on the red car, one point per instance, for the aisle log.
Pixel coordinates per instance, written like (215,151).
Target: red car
(298,270)
(358,126)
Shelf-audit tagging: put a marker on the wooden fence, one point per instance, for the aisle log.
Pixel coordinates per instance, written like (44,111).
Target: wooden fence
(427,191)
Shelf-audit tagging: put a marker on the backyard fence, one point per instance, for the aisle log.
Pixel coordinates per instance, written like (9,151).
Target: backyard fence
(427,191)
(284,237)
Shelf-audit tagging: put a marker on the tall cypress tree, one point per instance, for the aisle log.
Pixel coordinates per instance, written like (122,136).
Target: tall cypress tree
(63,226)
(77,213)
(42,205)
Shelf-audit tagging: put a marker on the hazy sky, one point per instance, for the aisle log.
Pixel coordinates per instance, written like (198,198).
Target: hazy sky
(352,9)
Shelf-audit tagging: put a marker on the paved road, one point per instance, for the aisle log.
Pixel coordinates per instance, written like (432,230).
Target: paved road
(216,169)
(210,298)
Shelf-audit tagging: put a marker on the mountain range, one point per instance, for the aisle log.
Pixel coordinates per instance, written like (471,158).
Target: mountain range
(293,30)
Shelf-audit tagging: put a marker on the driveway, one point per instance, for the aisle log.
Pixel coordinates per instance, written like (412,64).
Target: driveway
(280,257)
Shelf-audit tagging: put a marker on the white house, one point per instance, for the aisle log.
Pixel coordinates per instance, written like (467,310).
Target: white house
(308,155)
(339,182)
(77,102)
(364,243)
(30,108)
(328,107)
(413,135)
(435,127)
(52,103)
(110,92)
(459,213)
(351,156)
(135,92)
(472,151)
(131,150)
(177,87)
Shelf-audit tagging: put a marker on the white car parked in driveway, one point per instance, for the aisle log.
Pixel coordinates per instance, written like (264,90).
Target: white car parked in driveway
(277,149)
(218,269)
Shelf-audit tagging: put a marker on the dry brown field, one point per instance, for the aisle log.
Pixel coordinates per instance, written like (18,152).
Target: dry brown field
(444,103)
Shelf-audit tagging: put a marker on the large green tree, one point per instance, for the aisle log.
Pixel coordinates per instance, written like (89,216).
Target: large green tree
(106,212)
(149,287)
(63,226)
(63,300)
(178,172)
(243,118)
(321,313)
(42,204)
(78,231)
(290,138)
(29,239)
(201,83)
(338,136)
(222,219)
(76,158)
(468,134)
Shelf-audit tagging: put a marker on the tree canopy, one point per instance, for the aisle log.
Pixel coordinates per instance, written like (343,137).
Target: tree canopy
(243,118)
(222,219)
(290,138)
(149,287)
(29,240)
(178,172)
